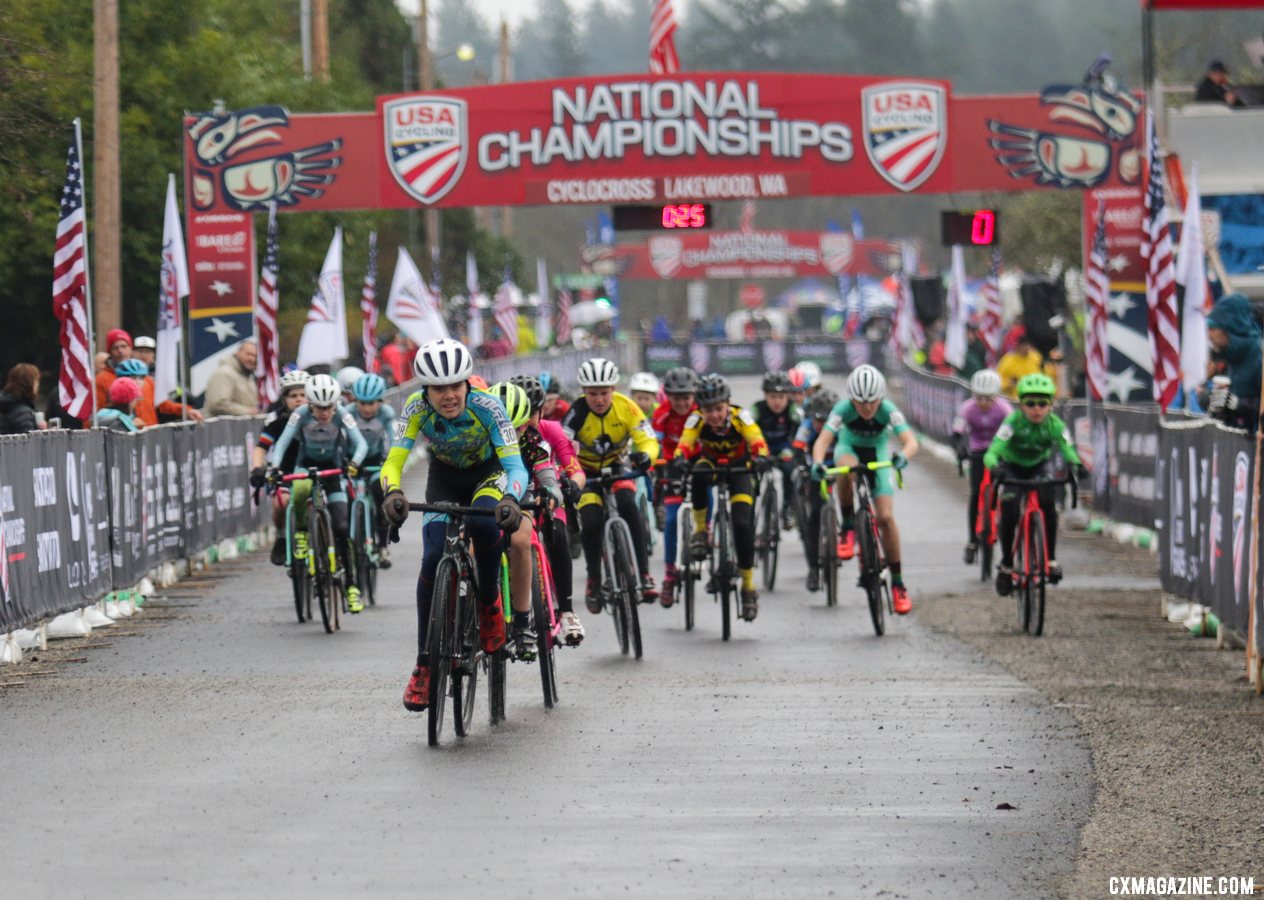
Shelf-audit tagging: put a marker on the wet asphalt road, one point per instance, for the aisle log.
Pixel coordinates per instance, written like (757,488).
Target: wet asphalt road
(235,752)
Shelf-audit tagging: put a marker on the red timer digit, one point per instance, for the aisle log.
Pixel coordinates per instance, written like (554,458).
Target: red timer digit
(685,215)
(983,227)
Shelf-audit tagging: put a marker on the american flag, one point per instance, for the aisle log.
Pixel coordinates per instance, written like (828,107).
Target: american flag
(748,216)
(1160,282)
(990,320)
(75,391)
(268,369)
(1096,296)
(368,308)
(663,58)
(506,312)
(562,328)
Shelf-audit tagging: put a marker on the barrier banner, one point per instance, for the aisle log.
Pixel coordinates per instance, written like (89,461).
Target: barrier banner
(931,401)
(217,456)
(1118,446)
(146,520)
(54,525)
(834,356)
(1203,492)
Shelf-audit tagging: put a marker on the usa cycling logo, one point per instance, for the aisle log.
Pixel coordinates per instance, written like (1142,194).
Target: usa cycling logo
(426,144)
(905,130)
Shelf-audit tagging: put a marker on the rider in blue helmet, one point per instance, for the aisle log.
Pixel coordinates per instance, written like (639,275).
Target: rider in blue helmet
(374,419)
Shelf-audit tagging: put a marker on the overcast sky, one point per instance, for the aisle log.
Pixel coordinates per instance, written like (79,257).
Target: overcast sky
(514,10)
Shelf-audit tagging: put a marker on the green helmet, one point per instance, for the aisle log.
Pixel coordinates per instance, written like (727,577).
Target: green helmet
(1035,385)
(517,403)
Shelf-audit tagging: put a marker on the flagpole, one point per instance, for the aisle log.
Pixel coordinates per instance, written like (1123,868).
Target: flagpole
(87,279)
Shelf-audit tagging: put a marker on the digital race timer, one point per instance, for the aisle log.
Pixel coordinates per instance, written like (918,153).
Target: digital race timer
(671,216)
(977,227)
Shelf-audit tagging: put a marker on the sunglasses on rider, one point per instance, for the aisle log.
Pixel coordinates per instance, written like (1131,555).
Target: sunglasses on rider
(1036,404)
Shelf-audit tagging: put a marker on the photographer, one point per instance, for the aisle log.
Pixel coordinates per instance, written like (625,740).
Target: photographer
(1234,368)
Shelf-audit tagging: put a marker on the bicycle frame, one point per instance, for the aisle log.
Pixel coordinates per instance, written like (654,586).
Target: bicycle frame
(317,501)
(1031,508)
(544,520)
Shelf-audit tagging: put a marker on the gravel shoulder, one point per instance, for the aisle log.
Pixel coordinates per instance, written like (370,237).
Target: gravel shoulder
(1177,738)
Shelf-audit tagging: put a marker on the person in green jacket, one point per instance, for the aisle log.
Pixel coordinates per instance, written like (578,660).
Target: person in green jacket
(1022,450)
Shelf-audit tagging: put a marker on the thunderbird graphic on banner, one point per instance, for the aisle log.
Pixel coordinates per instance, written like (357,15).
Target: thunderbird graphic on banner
(426,143)
(905,130)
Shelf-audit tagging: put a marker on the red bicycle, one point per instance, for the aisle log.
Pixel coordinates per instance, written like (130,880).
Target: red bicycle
(1031,551)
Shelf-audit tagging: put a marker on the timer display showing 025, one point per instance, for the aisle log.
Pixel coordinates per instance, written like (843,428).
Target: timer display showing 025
(970,227)
(674,216)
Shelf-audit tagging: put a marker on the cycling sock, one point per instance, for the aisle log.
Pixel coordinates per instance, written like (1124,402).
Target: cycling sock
(699,520)
(670,570)
(849,521)
(748,579)
(896,576)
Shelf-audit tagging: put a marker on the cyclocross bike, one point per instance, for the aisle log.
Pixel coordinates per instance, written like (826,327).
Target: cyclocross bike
(768,529)
(724,577)
(1031,552)
(322,575)
(295,566)
(870,556)
(620,574)
(827,541)
(364,517)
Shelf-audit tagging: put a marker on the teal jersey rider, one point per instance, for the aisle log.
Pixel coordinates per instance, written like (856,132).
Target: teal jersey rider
(1021,442)
(854,431)
(376,432)
(324,444)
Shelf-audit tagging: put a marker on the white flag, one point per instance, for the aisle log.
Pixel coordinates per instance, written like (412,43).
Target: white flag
(324,339)
(955,336)
(1191,271)
(173,285)
(544,312)
(474,325)
(411,306)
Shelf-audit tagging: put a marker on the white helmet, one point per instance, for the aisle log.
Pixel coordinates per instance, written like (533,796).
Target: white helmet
(598,373)
(323,390)
(866,384)
(348,376)
(443,361)
(296,378)
(644,381)
(811,374)
(985,383)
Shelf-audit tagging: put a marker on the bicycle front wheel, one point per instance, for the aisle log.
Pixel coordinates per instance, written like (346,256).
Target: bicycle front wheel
(440,644)
(828,540)
(769,532)
(688,567)
(541,601)
(625,564)
(1022,581)
(321,543)
(464,665)
(299,585)
(1039,569)
(870,571)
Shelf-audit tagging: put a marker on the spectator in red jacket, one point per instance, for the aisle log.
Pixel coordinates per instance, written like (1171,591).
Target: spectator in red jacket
(398,357)
(119,345)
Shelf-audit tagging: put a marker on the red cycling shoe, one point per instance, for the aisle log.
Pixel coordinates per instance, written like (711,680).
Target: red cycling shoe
(847,545)
(900,600)
(491,627)
(417,693)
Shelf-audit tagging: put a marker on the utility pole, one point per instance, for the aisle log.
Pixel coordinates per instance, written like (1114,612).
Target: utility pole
(320,39)
(506,212)
(305,35)
(107,284)
(426,80)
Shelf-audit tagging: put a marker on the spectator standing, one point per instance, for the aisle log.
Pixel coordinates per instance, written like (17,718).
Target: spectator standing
(117,416)
(976,351)
(1024,359)
(119,345)
(17,400)
(231,390)
(146,350)
(1234,336)
(147,412)
(1214,88)
(398,357)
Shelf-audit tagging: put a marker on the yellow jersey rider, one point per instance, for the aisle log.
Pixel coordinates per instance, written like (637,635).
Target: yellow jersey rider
(604,426)
(720,433)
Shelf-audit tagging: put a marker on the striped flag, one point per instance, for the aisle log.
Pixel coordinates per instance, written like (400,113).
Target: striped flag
(75,390)
(1096,297)
(1160,282)
(990,311)
(506,310)
(324,337)
(562,328)
(1191,271)
(663,58)
(268,367)
(368,308)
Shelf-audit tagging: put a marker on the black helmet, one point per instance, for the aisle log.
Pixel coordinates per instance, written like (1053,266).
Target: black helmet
(680,380)
(712,389)
(777,382)
(822,403)
(535,390)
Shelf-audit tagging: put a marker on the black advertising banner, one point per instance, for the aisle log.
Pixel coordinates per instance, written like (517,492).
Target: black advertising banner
(834,356)
(1203,494)
(1119,445)
(146,515)
(54,525)
(661,357)
(217,456)
(931,401)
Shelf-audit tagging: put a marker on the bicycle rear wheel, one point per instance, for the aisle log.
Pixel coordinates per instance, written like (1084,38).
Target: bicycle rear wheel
(625,563)
(541,600)
(321,543)
(440,641)
(497,674)
(688,567)
(870,570)
(723,571)
(769,532)
(1039,568)
(828,539)
(464,666)
(300,586)
(1021,566)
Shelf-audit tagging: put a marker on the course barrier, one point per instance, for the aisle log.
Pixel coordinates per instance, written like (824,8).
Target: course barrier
(86,512)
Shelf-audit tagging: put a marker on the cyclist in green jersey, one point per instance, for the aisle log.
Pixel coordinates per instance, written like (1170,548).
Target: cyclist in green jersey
(859,424)
(1023,450)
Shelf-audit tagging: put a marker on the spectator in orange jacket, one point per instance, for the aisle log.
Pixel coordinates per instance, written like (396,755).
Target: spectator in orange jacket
(146,413)
(119,344)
